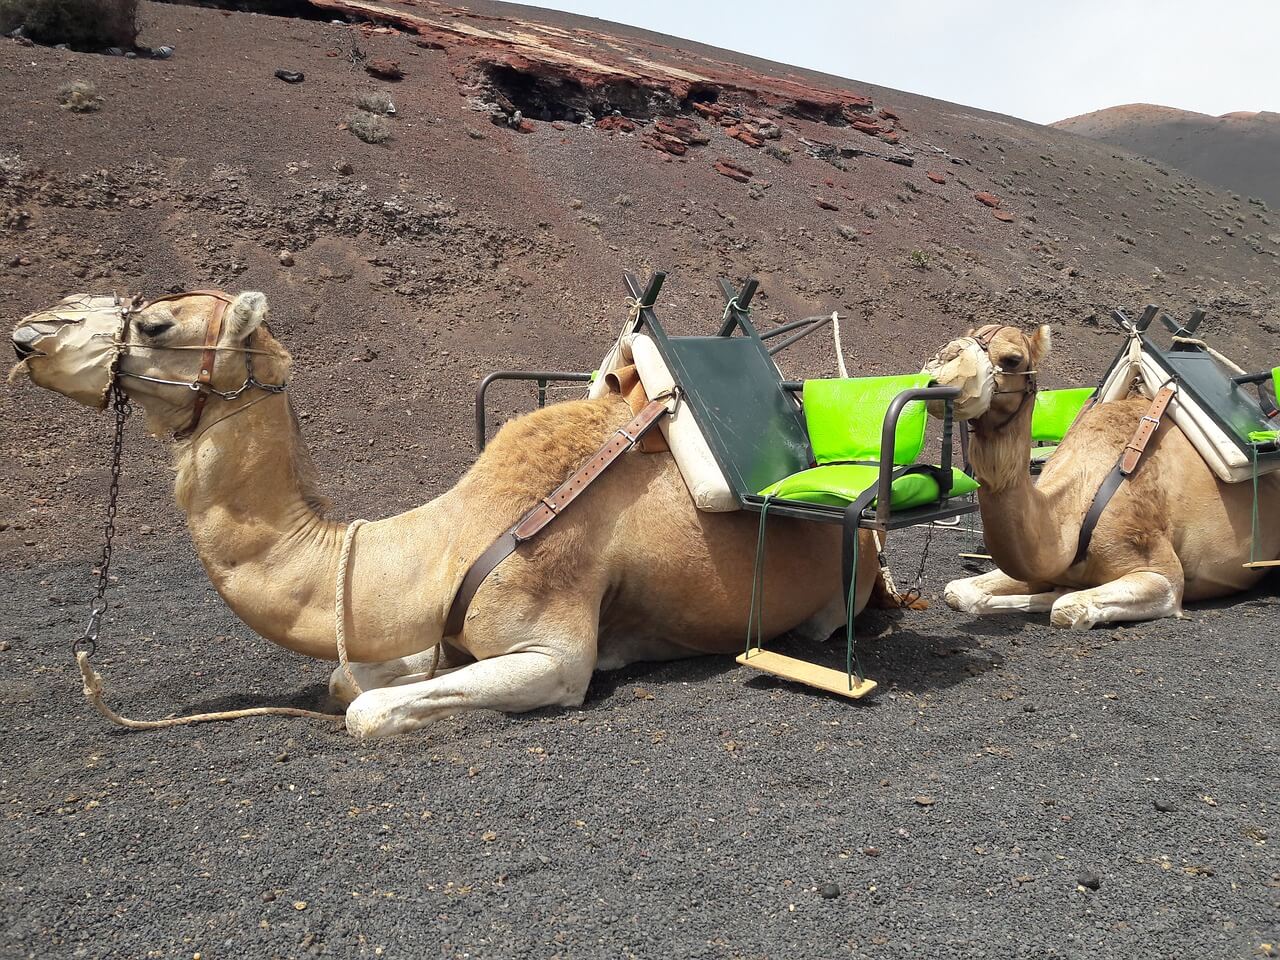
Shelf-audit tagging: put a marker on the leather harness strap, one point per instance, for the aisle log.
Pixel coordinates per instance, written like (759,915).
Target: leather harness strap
(208,357)
(547,509)
(1124,468)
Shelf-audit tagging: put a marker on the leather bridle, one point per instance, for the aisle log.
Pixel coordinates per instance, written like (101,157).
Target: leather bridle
(202,385)
(983,337)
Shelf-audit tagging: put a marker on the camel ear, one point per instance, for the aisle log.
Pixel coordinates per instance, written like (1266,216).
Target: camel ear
(245,315)
(1039,344)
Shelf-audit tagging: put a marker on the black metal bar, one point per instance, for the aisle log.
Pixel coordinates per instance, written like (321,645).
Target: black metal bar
(541,376)
(1148,315)
(791,325)
(888,440)
(794,337)
(1197,317)
(1122,318)
(795,386)
(741,299)
(654,288)
(1262,377)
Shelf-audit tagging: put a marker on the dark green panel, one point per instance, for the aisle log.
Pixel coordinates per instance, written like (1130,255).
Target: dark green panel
(755,429)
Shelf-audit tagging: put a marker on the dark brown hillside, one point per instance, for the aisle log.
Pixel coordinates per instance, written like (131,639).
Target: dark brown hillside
(474,239)
(1238,151)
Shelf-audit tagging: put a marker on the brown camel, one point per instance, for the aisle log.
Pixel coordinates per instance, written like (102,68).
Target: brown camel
(1172,532)
(632,571)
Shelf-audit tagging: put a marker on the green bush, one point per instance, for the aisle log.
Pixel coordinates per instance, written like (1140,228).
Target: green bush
(82,24)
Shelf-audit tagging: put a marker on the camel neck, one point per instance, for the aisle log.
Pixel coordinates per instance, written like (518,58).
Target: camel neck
(1019,519)
(245,483)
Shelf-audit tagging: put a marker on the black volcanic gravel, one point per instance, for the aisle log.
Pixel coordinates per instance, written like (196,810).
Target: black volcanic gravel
(691,809)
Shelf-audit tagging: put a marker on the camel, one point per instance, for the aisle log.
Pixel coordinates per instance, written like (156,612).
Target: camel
(1172,533)
(631,572)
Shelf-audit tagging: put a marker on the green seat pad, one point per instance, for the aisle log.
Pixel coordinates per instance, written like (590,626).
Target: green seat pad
(1040,454)
(845,416)
(839,484)
(1055,411)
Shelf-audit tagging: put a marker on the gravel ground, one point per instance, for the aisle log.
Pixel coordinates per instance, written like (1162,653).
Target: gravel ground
(687,810)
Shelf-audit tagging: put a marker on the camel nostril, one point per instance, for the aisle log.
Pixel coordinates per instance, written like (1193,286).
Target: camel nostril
(24,339)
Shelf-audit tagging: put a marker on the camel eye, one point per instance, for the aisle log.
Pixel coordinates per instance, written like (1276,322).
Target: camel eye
(154,329)
(1011,362)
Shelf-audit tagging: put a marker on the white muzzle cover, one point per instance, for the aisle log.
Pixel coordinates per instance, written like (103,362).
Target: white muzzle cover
(76,346)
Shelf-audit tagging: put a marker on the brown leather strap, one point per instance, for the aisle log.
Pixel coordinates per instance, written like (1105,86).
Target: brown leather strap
(208,357)
(1147,428)
(550,507)
(1124,467)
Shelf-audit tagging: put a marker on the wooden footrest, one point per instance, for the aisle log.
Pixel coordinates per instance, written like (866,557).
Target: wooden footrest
(1258,564)
(810,674)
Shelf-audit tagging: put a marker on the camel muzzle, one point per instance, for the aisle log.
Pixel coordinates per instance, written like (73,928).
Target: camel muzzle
(72,348)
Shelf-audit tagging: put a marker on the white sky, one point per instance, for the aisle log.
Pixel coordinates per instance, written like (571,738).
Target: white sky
(1042,60)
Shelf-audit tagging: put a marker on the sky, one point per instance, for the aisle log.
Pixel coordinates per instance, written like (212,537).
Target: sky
(1042,60)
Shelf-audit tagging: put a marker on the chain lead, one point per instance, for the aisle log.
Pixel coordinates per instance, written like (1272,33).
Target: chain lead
(88,641)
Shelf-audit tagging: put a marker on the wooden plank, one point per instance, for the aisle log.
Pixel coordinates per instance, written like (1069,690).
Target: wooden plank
(1256,564)
(974,556)
(810,674)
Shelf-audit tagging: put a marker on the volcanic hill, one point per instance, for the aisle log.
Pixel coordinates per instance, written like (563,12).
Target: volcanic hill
(532,157)
(1239,151)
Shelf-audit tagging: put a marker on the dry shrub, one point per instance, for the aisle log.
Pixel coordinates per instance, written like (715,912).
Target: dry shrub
(375,101)
(82,24)
(79,96)
(369,127)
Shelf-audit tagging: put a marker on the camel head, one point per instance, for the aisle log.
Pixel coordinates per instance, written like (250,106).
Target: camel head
(156,349)
(993,366)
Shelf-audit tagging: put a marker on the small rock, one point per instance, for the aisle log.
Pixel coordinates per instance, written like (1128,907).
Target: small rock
(286,258)
(146,529)
(871,851)
(826,204)
(299,904)
(1089,880)
(343,168)
(268,896)
(1165,806)
(641,693)
(829,891)
(1004,216)
(987,199)
(290,76)
(384,69)
(936,177)
(923,801)
(5,645)
(846,231)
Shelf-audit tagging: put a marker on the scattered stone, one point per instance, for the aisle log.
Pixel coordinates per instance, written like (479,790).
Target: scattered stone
(924,801)
(871,851)
(384,69)
(1089,880)
(268,896)
(640,693)
(616,122)
(846,231)
(291,76)
(887,114)
(5,646)
(1165,806)
(745,135)
(867,127)
(343,168)
(770,131)
(936,177)
(826,204)
(987,199)
(286,258)
(829,891)
(1003,215)
(726,167)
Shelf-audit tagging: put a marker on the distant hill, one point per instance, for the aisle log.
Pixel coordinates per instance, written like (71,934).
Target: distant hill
(1240,151)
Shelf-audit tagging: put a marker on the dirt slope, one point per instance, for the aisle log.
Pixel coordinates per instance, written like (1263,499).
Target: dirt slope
(463,244)
(1239,151)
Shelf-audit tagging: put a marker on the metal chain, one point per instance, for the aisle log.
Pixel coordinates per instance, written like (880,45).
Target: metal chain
(88,641)
(916,590)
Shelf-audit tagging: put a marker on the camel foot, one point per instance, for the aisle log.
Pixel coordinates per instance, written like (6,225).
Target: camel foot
(371,676)
(1145,595)
(994,592)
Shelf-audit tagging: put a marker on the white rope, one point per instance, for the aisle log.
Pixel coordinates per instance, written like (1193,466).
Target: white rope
(1225,361)
(93,692)
(340,603)
(835,333)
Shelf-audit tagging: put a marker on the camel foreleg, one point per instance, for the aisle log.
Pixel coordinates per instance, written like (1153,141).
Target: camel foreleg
(512,683)
(1145,595)
(995,592)
(371,676)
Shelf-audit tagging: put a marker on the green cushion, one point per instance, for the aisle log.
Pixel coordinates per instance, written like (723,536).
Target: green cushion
(840,484)
(845,416)
(1040,454)
(1055,411)
(1275,383)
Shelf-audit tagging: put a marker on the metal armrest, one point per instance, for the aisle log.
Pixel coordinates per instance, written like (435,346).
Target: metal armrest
(542,377)
(888,440)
